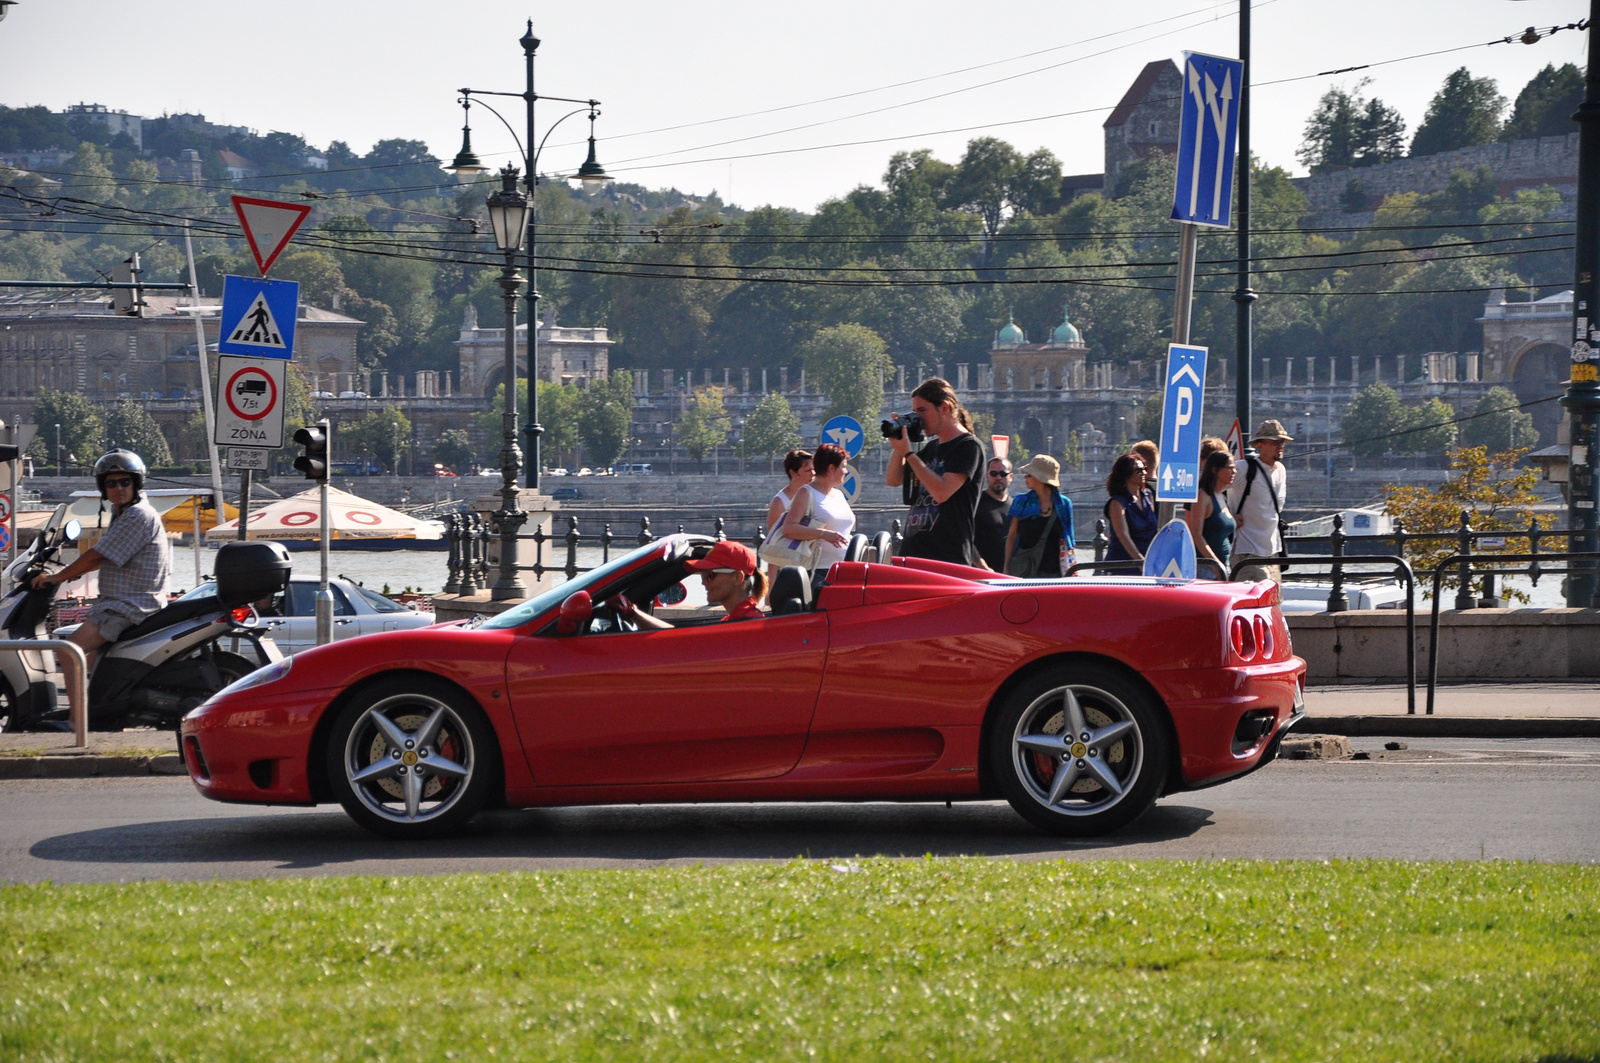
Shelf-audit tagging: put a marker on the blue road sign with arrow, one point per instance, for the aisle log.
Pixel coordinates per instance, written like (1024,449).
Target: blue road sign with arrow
(1213,89)
(258,317)
(1181,407)
(844,431)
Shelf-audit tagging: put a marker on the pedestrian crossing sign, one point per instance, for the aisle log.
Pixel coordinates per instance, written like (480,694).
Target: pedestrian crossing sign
(258,317)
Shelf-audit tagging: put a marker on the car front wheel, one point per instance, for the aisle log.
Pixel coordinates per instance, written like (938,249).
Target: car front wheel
(410,761)
(1079,750)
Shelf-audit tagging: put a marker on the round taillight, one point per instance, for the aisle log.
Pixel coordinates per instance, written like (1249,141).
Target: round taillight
(1263,636)
(1244,638)
(242,614)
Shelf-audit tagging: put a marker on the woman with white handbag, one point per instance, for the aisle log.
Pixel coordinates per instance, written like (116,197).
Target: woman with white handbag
(820,521)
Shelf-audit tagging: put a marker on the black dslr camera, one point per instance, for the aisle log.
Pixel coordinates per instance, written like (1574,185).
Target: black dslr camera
(908,424)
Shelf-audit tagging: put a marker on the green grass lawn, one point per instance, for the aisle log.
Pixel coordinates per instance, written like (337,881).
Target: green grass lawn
(957,959)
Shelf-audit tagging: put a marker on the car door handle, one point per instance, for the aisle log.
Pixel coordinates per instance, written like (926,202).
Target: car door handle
(346,620)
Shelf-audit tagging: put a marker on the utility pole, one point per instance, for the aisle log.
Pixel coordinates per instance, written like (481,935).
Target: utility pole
(1582,398)
(1244,296)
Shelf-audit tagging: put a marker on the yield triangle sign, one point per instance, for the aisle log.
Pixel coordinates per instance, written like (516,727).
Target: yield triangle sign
(258,327)
(268,225)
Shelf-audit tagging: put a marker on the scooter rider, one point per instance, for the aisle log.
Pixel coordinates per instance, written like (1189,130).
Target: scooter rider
(132,556)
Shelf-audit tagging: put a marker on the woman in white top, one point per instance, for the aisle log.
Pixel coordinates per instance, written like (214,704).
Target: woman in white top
(831,518)
(797,464)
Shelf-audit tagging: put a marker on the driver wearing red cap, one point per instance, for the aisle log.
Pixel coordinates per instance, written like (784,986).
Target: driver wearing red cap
(732,579)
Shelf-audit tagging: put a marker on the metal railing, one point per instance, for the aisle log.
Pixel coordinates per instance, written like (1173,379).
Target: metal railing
(1464,559)
(1479,559)
(75,670)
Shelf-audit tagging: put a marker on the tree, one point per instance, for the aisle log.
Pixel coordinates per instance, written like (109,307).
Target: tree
(772,428)
(605,420)
(82,430)
(1545,105)
(705,423)
(382,433)
(1370,422)
(1429,429)
(131,427)
(454,448)
(1498,423)
(1464,112)
(1495,492)
(1149,419)
(1347,129)
(1072,453)
(846,362)
(993,179)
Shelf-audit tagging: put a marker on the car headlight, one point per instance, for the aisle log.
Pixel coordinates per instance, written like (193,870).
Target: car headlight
(260,677)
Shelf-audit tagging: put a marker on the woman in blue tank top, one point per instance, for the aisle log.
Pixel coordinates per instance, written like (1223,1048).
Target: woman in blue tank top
(1209,521)
(1131,509)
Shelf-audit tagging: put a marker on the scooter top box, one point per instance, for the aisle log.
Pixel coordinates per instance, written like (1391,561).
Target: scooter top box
(249,571)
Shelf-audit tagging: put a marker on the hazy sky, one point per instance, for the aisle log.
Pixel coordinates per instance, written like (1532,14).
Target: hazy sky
(683,83)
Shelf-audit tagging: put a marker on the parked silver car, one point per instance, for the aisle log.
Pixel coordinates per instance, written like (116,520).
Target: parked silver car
(292,615)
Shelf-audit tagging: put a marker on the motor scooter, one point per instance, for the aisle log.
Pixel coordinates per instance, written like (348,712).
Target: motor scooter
(155,672)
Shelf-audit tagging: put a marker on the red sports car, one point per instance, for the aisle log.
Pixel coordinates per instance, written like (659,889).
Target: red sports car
(1080,701)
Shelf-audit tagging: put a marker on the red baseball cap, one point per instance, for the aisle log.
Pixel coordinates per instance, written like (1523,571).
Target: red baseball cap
(726,554)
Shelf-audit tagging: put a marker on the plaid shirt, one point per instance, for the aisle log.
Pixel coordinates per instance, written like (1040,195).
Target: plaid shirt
(133,579)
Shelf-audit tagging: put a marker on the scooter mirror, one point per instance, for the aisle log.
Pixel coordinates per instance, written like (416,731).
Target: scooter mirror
(72,530)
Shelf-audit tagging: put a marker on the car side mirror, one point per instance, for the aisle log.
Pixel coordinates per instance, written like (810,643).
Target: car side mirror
(672,595)
(576,611)
(71,530)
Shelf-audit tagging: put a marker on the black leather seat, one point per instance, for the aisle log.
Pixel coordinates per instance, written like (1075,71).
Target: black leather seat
(176,613)
(791,591)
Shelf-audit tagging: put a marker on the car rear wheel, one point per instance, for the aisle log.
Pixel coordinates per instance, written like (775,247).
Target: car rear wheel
(411,761)
(1079,750)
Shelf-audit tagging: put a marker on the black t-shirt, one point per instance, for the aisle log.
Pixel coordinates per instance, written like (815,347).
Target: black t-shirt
(944,531)
(993,524)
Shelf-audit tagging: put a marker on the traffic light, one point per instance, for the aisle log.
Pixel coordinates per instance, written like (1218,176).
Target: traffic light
(314,462)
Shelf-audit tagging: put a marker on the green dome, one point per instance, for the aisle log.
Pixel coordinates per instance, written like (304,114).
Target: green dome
(1066,333)
(1011,334)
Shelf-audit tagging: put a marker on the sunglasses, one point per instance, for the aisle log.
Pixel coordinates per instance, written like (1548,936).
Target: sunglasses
(121,481)
(998,472)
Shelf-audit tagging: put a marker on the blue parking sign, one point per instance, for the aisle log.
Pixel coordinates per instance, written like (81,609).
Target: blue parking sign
(1181,408)
(258,317)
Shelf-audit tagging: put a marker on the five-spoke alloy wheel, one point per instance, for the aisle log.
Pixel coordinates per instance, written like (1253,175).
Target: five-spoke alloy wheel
(411,761)
(1079,750)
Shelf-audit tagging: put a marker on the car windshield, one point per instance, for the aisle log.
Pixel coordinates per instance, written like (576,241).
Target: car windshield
(208,589)
(380,603)
(666,549)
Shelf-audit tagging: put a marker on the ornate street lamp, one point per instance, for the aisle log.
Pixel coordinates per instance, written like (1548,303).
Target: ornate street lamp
(591,173)
(508,218)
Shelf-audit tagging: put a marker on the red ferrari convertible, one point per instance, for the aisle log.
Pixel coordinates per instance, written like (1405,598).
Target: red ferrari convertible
(1080,701)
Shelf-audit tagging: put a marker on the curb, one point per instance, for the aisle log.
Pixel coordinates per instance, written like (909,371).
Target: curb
(89,766)
(1454,726)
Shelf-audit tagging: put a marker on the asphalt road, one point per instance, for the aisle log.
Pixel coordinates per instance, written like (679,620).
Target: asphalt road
(1462,799)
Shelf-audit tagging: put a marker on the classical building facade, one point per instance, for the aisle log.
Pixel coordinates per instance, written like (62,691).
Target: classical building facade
(77,344)
(566,355)
(1059,362)
(1527,347)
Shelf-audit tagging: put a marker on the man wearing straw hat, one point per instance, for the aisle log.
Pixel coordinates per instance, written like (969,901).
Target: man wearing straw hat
(1256,498)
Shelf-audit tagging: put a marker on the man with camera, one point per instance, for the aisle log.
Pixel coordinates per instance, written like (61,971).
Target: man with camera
(942,489)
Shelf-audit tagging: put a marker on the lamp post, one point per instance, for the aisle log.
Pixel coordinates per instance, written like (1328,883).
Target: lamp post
(591,173)
(58,450)
(508,217)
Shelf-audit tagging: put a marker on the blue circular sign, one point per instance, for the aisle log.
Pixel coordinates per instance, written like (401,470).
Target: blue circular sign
(845,431)
(850,486)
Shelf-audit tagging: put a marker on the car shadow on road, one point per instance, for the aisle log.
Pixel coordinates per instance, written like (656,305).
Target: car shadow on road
(611,835)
